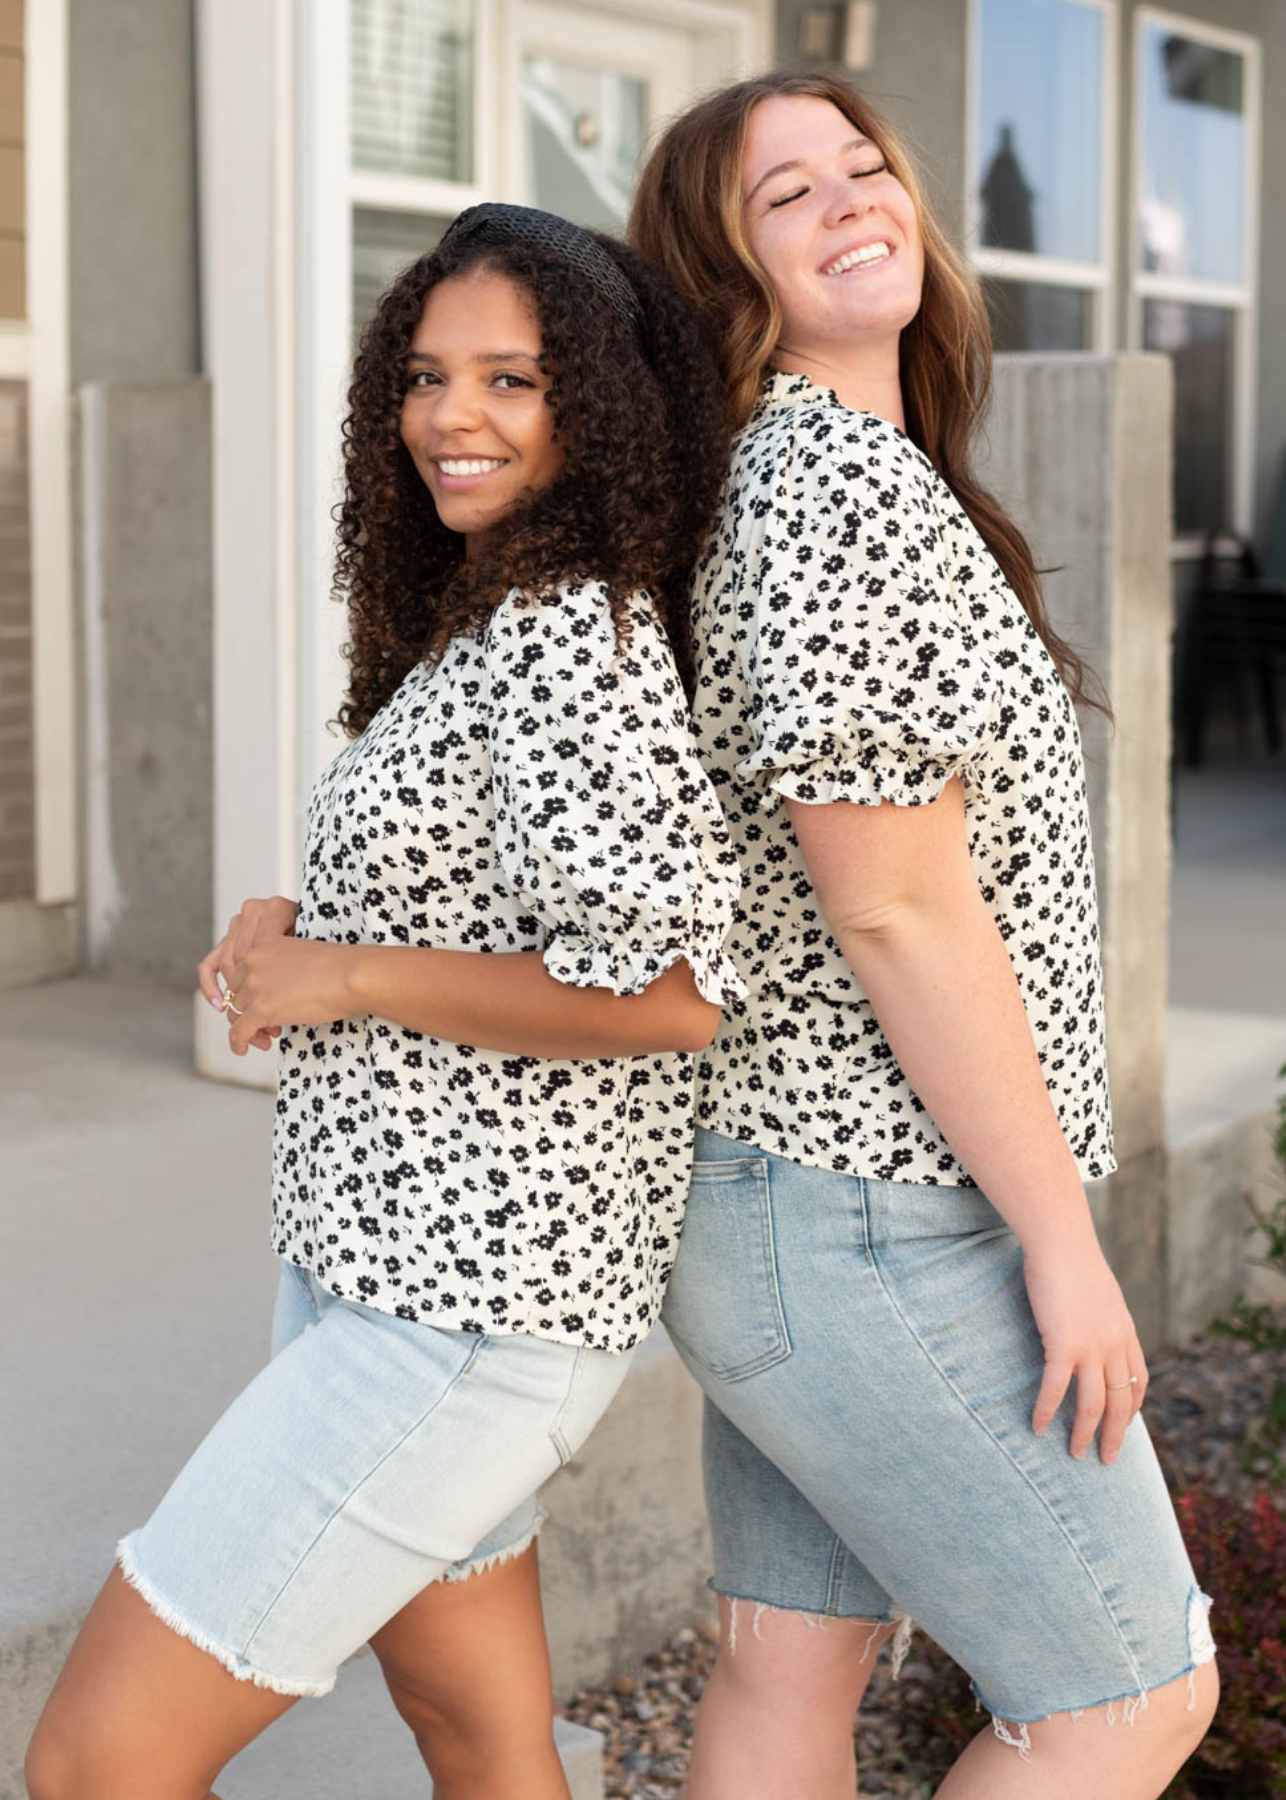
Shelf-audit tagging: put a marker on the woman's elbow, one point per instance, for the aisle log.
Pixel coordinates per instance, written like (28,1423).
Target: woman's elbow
(701,1024)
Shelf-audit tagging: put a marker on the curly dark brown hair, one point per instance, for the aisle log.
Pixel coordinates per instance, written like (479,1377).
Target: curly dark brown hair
(642,417)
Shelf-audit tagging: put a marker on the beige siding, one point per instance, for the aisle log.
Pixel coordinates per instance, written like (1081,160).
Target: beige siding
(17,774)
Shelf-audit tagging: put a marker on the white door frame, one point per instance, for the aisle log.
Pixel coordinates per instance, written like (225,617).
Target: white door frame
(276,196)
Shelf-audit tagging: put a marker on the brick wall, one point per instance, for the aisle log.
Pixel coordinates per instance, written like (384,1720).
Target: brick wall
(17,775)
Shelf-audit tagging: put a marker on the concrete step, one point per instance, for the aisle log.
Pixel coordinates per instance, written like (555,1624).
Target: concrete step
(351,1745)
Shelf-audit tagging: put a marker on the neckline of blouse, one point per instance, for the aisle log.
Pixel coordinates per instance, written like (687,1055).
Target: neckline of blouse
(787,387)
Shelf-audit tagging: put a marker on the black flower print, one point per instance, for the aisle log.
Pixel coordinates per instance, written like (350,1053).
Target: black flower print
(857,641)
(534,790)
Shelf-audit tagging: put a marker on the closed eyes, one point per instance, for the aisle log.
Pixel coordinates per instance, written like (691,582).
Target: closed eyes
(854,175)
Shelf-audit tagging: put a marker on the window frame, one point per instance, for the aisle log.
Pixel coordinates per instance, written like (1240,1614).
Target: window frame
(1239,298)
(1097,279)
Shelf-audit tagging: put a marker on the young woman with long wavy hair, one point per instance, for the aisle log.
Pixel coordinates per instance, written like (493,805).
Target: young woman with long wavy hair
(889,1283)
(515,888)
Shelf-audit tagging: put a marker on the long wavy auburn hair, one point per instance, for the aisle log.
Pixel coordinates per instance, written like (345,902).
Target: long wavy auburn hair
(688,216)
(641,414)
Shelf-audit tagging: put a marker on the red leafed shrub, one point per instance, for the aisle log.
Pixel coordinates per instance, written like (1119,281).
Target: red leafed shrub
(1239,1553)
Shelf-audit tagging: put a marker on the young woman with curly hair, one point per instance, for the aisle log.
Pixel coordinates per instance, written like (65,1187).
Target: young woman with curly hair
(508,947)
(889,1283)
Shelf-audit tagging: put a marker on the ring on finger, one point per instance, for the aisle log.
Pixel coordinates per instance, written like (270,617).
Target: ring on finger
(1115,1387)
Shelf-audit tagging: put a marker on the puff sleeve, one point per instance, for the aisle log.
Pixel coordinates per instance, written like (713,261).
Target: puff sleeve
(607,828)
(865,680)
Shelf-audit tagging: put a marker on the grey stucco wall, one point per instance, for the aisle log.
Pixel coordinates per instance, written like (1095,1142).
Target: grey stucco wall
(132,190)
(918,79)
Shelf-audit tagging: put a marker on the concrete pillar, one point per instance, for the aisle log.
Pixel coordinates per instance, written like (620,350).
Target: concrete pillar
(1079,452)
(146,738)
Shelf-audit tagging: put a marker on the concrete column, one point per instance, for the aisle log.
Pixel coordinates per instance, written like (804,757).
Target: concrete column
(146,738)
(1080,453)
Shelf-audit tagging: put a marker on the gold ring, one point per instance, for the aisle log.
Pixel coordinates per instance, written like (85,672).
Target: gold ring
(1114,1387)
(228,998)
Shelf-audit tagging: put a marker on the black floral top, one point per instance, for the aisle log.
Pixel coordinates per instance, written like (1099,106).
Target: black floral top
(533,790)
(856,641)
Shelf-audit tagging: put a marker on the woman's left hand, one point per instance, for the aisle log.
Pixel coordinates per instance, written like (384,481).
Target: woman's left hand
(287,981)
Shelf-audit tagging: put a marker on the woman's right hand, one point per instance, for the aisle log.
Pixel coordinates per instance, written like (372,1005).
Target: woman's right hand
(257,920)
(1088,1335)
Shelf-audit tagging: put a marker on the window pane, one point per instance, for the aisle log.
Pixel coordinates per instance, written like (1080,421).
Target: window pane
(383,244)
(1199,340)
(412,65)
(1029,315)
(585,129)
(1039,174)
(1194,150)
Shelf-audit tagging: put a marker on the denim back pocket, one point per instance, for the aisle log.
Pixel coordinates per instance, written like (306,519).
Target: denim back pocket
(723,1304)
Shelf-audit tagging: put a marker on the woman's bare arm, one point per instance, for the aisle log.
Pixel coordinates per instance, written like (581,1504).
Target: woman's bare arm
(506,1001)
(898,892)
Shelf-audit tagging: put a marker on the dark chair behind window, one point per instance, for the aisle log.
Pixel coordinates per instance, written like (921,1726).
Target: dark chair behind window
(1235,633)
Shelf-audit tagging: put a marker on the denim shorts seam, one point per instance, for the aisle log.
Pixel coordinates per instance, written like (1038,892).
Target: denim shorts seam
(335,1512)
(764,1175)
(982,1425)
(301,1276)
(835,1575)
(556,1437)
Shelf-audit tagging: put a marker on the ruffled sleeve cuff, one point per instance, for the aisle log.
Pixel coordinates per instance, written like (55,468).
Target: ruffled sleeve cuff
(817,755)
(629,966)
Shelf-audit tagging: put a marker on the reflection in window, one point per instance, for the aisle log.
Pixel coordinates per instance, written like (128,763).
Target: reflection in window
(412,87)
(585,130)
(1040,127)
(384,242)
(1194,148)
(1199,340)
(1033,315)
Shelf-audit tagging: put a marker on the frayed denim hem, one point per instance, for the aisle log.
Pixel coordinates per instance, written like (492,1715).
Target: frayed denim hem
(237,1666)
(818,1621)
(1201,1650)
(461,1571)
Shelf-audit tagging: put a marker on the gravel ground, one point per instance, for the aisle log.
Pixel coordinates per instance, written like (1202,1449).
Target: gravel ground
(1203,1395)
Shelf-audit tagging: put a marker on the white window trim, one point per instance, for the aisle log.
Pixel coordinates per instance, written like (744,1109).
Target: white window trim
(1240,298)
(1098,278)
(46,357)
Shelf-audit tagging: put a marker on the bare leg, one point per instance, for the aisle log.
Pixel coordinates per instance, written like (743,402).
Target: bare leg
(776,1717)
(467,1666)
(139,1713)
(1070,1758)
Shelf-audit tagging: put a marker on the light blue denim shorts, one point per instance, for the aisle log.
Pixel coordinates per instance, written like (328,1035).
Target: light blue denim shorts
(371,1457)
(870,1364)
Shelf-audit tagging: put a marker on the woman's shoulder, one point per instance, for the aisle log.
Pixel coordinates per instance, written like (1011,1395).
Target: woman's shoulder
(583,597)
(827,442)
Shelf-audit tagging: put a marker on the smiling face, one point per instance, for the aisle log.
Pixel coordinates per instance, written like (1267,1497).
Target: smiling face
(832,226)
(474,418)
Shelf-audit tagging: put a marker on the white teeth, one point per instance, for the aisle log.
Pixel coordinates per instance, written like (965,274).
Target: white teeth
(869,253)
(453,467)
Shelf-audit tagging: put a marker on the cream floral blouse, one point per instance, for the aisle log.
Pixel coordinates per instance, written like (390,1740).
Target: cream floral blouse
(533,790)
(857,641)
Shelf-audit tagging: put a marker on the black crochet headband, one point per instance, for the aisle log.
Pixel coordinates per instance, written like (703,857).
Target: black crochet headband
(495,223)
